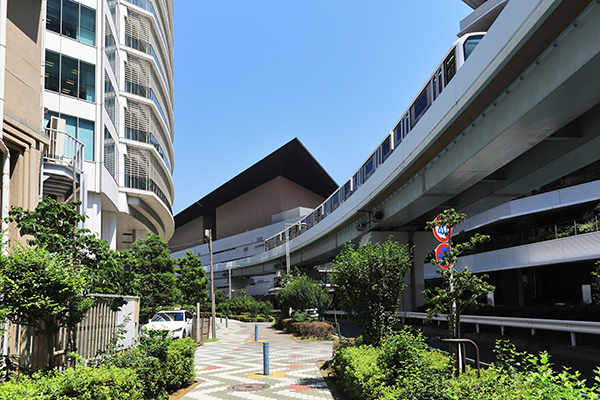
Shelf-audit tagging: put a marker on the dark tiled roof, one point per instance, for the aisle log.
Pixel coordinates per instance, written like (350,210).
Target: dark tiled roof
(291,161)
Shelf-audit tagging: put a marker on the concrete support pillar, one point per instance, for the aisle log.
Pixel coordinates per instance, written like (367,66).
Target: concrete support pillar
(109,228)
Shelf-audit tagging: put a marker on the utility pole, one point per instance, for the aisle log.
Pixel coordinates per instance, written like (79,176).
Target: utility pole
(208,235)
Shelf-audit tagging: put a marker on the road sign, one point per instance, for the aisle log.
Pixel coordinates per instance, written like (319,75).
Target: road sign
(442,233)
(440,251)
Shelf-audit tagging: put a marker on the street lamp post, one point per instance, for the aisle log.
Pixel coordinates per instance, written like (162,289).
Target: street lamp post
(229,281)
(208,235)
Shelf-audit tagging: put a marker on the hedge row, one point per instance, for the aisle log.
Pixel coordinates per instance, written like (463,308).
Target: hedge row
(403,368)
(249,318)
(151,370)
(317,330)
(102,383)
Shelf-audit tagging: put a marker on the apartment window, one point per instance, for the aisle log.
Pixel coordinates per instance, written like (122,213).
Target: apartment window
(72,19)
(52,71)
(70,76)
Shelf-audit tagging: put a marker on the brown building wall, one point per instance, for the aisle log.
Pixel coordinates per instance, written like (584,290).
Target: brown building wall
(22,119)
(23,92)
(254,209)
(191,234)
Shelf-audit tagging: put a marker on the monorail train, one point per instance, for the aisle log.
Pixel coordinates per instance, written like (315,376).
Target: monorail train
(442,75)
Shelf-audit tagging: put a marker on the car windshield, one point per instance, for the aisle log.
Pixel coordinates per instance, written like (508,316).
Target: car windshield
(168,316)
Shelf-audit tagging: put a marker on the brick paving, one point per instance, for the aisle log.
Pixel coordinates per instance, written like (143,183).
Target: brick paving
(232,367)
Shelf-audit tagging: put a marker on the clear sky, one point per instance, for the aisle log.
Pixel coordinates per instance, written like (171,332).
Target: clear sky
(250,75)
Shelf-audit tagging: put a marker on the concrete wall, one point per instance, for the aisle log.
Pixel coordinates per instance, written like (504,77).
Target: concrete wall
(22,107)
(254,209)
(24,63)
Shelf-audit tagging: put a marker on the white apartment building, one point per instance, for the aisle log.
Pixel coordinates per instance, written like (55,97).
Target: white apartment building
(108,100)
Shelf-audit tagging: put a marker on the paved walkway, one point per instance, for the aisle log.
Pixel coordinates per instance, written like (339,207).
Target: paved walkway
(232,367)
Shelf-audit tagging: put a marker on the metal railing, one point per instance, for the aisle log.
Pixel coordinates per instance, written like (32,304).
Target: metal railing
(64,149)
(573,327)
(570,326)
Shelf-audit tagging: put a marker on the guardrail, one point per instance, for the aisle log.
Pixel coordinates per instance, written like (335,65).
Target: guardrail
(64,149)
(573,327)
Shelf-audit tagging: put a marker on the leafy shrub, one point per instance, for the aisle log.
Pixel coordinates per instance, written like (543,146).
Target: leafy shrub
(179,365)
(101,383)
(163,365)
(416,372)
(358,371)
(242,303)
(317,330)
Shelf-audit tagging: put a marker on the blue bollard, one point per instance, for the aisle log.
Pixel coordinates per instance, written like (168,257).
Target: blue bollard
(227,322)
(256,332)
(266,358)
(221,318)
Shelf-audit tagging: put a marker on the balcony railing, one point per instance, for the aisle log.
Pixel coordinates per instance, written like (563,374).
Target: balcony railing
(64,149)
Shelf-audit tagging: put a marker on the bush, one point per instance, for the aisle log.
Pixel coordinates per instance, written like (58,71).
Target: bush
(357,370)
(400,368)
(179,365)
(101,383)
(316,330)
(163,365)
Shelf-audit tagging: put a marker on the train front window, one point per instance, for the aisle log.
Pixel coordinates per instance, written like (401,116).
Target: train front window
(470,45)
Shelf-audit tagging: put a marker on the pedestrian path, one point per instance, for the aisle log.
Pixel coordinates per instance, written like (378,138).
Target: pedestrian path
(232,367)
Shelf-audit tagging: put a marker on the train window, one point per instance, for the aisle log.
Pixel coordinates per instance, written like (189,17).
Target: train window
(368,168)
(450,67)
(347,190)
(386,149)
(406,126)
(420,106)
(355,181)
(398,133)
(434,83)
(440,83)
(335,200)
(470,44)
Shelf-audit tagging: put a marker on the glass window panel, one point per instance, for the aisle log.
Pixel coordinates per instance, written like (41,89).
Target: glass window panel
(87,82)
(470,45)
(70,125)
(450,66)
(86,136)
(53,15)
(70,19)
(68,74)
(88,26)
(52,71)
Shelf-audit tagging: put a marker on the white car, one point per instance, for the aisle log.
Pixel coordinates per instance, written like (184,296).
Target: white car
(177,322)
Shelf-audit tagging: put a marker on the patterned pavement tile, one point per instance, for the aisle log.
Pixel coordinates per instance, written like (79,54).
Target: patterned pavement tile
(223,365)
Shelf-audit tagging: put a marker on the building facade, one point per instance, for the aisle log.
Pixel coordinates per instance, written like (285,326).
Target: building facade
(108,112)
(21,138)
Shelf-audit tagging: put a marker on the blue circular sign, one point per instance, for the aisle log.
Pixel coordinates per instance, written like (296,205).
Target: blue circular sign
(440,251)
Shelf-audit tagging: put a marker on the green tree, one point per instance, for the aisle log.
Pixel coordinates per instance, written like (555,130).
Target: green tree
(191,281)
(302,293)
(370,281)
(457,289)
(55,227)
(44,290)
(153,270)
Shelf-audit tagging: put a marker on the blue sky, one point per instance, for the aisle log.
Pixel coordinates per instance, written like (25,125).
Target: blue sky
(250,75)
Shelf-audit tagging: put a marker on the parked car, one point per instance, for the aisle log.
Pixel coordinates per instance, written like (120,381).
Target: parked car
(177,322)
